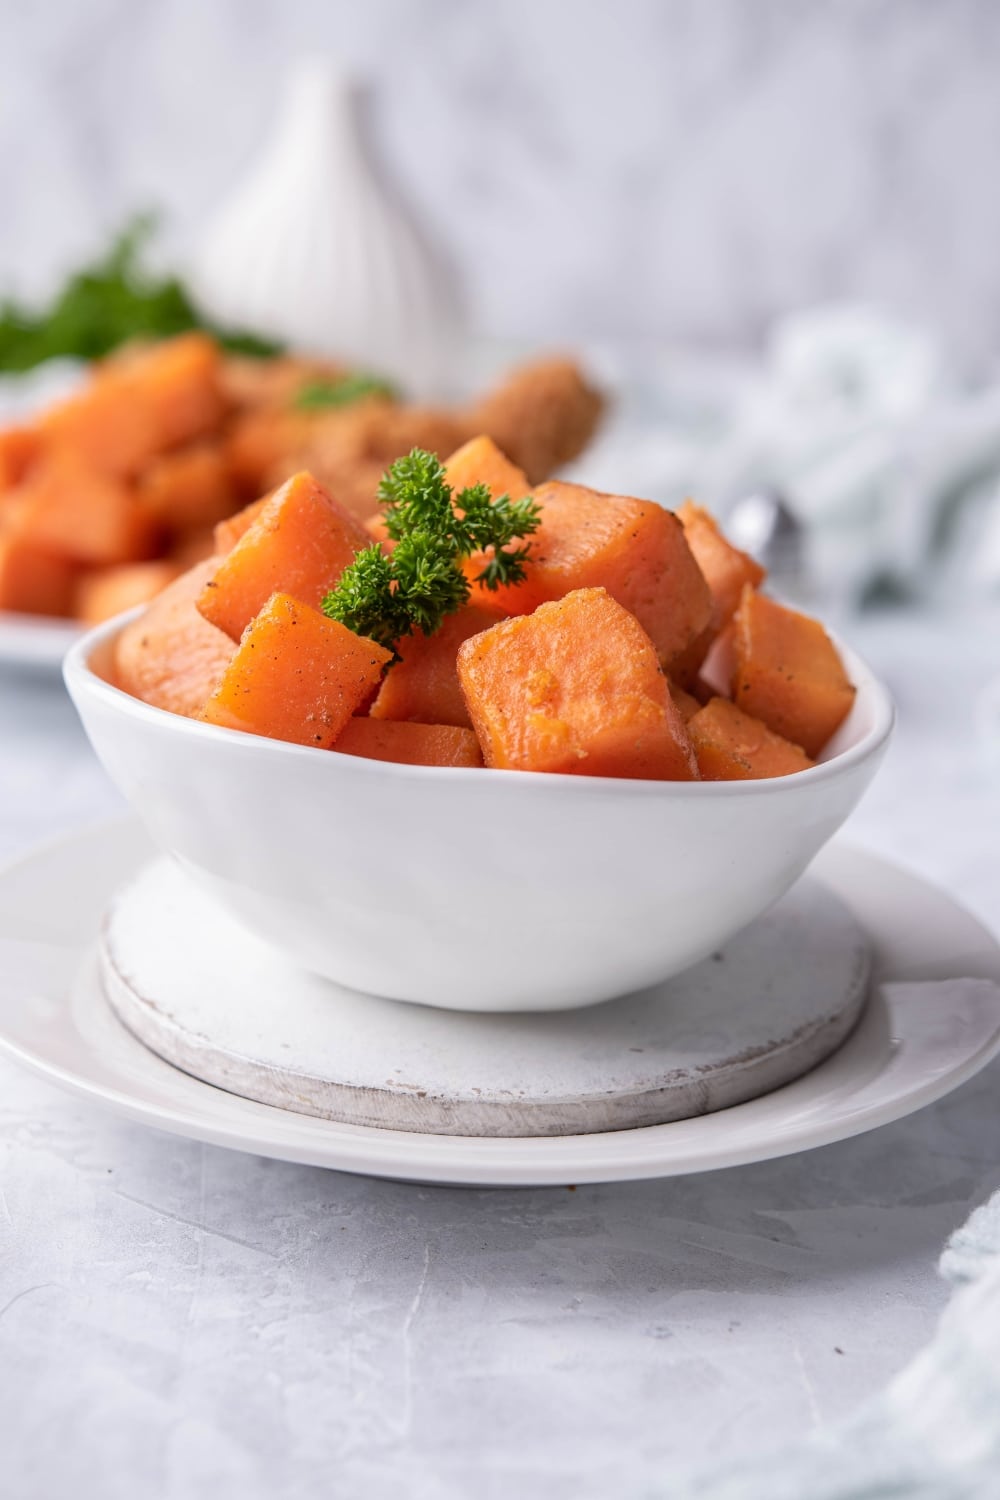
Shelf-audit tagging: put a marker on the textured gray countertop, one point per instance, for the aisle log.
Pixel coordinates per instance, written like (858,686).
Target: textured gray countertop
(178,1321)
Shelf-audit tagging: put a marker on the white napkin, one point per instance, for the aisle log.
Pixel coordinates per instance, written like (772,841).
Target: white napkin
(934,1434)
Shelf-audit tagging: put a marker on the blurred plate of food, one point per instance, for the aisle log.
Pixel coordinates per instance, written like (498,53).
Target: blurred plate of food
(110,492)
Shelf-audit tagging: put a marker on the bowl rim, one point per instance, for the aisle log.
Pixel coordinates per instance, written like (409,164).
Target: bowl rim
(81,679)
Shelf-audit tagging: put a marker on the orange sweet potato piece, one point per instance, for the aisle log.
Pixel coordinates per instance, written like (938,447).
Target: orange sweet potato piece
(576,688)
(686,705)
(295,676)
(19,448)
(481,462)
(788,672)
(171,656)
(179,382)
(633,548)
(228,532)
(32,581)
(299,544)
(410,744)
(188,490)
(109,426)
(65,507)
(732,746)
(725,567)
(378,532)
(110,591)
(423,685)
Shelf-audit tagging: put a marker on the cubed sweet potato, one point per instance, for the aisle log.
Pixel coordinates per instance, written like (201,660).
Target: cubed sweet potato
(480,461)
(687,705)
(188,490)
(732,746)
(423,685)
(228,532)
(179,381)
(410,744)
(299,544)
(33,581)
(110,426)
(576,688)
(379,532)
(67,508)
(110,591)
(295,676)
(19,448)
(633,548)
(788,672)
(171,656)
(725,567)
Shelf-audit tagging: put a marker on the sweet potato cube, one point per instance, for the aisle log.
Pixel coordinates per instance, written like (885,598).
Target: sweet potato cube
(788,672)
(171,656)
(32,581)
(379,532)
(110,426)
(410,744)
(227,532)
(423,685)
(295,676)
(110,591)
(19,448)
(188,490)
(299,544)
(633,548)
(481,462)
(687,705)
(725,567)
(732,746)
(179,383)
(575,688)
(66,507)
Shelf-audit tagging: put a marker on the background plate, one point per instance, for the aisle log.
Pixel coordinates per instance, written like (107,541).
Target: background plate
(918,1039)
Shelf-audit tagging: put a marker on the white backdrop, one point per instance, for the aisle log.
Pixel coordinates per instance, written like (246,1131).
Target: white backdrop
(623,168)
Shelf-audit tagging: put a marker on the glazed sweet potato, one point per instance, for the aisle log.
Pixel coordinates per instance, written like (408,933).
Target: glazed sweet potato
(732,746)
(423,685)
(188,490)
(633,548)
(109,591)
(171,656)
(379,532)
(295,676)
(687,705)
(410,744)
(725,567)
(180,382)
(299,544)
(480,461)
(227,533)
(67,508)
(788,672)
(32,581)
(110,426)
(574,688)
(19,448)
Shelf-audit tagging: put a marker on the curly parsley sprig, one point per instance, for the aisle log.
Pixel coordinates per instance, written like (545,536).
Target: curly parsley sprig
(386,597)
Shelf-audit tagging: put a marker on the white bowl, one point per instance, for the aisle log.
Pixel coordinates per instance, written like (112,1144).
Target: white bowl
(471,889)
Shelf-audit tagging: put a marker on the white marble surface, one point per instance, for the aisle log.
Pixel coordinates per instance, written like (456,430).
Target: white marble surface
(179,1322)
(643,167)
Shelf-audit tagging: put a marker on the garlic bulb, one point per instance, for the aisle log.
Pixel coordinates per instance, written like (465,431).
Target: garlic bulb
(313,250)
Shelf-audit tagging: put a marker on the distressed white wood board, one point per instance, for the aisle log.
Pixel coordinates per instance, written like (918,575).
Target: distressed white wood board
(213,1000)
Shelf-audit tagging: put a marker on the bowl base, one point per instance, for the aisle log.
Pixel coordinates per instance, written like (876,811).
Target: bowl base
(219,1004)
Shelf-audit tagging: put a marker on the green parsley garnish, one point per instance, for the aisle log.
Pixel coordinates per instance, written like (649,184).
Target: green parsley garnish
(421,581)
(318,395)
(107,304)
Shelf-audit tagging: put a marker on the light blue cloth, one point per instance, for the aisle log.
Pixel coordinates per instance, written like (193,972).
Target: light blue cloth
(934,1433)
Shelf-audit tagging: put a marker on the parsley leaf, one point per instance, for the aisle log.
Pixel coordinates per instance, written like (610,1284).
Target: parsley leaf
(421,581)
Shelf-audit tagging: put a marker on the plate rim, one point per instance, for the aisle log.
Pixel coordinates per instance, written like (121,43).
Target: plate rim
(232,1122)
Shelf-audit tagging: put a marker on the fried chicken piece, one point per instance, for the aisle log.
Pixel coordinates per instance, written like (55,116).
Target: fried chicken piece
(542,416)
(248,381)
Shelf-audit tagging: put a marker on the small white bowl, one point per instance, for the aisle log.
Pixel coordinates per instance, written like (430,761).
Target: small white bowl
(470,889)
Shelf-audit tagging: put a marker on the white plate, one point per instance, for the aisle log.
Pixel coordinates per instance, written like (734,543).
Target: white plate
(909,1049)
(38,642)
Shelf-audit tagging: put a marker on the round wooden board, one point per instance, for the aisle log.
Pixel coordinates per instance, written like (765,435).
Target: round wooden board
(216,1002)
